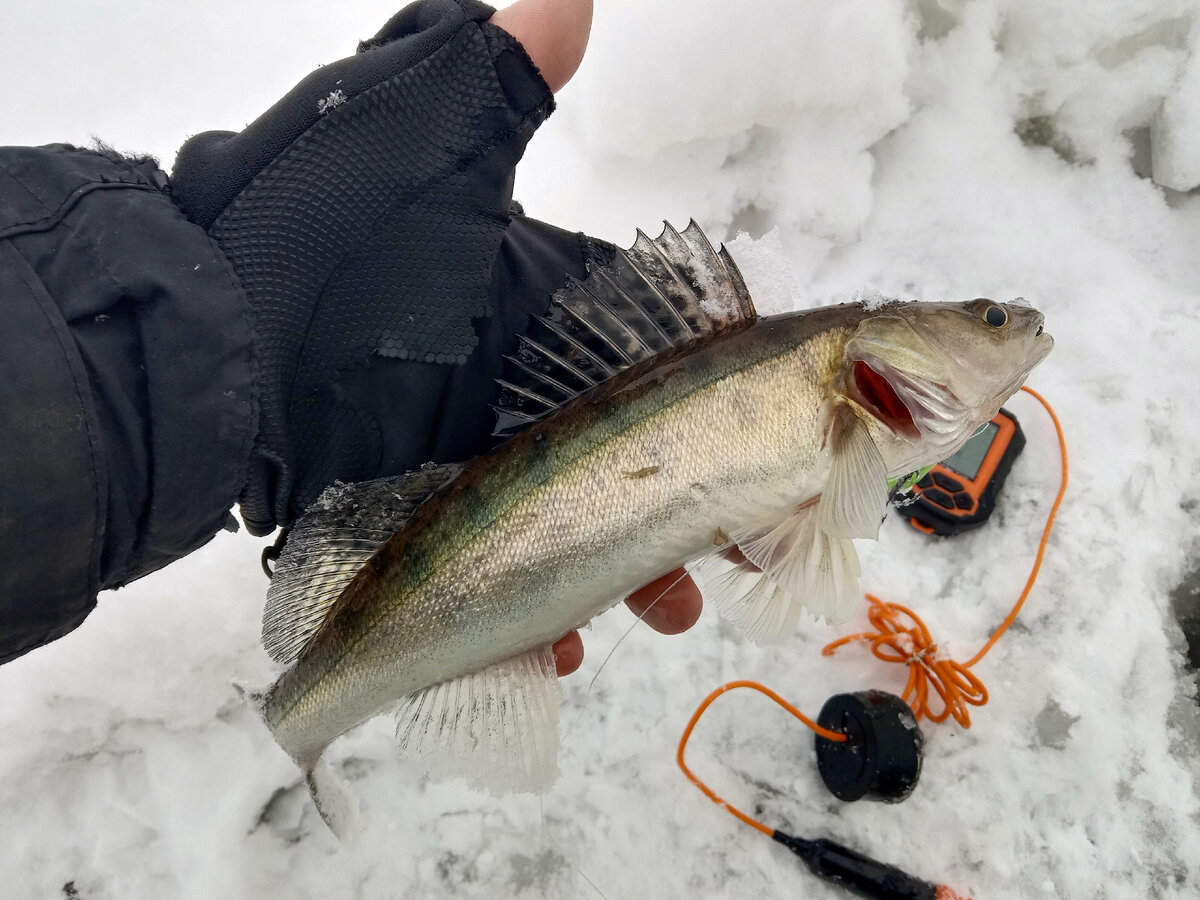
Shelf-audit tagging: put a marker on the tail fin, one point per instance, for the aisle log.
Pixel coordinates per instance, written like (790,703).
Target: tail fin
(330,794)
(332,797)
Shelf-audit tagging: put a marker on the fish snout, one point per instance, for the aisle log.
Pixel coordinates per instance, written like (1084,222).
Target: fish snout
(1043,341)
(1026,318)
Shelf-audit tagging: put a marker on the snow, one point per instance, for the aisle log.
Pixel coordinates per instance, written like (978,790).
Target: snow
(936,149)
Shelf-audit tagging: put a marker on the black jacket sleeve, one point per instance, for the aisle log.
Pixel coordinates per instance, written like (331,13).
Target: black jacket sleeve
(126,385)
(327,295)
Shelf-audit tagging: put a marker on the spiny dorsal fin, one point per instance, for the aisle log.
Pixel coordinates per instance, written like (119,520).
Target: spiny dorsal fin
(657,295)
(713,275)
(329,544)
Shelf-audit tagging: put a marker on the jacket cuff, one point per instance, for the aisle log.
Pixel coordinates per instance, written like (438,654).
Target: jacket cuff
(127,412)
(48,437)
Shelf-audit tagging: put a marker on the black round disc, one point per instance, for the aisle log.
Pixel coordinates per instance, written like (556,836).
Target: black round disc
(881,760)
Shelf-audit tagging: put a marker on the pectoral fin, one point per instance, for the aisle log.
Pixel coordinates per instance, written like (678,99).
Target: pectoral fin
(855,497)
(498,727)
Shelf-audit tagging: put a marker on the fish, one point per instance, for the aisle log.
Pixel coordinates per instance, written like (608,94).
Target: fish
(650,419)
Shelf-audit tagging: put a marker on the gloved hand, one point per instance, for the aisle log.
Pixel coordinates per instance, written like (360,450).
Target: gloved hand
(368,217)
(364,214)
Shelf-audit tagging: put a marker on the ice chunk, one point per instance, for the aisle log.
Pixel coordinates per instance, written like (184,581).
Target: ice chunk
(1175,130)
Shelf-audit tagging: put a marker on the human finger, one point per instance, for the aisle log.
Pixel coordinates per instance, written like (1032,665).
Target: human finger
(553,32)
(568,653)
(670,604)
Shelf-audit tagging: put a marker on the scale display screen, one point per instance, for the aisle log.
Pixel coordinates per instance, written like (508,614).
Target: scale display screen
(970,456)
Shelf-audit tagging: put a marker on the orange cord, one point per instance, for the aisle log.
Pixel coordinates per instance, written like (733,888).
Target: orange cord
(901,637)
(687,733)
(942,891)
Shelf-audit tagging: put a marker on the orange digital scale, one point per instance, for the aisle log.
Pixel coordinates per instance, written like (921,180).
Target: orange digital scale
(959,493)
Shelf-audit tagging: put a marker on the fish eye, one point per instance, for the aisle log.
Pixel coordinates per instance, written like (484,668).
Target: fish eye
(995,316)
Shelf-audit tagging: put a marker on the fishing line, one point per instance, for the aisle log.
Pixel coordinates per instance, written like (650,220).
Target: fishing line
(592,683)
(557,846)
(628,630)
(579,715)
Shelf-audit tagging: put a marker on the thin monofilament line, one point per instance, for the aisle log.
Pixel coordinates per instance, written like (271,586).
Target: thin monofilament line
(579,715)
(557,846)
(591,684)
(637,622)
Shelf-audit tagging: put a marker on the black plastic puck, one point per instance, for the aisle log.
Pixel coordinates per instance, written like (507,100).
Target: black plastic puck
(881,760)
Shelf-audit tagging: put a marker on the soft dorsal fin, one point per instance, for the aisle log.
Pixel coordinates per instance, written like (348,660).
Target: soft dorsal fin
(329,544)
(657,295)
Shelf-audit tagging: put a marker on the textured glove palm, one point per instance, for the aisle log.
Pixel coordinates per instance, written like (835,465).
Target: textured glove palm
(363,214)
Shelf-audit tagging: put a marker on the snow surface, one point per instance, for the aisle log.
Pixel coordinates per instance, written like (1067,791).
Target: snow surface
(934,149)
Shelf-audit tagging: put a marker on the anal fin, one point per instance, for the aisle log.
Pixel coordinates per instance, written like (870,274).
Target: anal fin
(498,727)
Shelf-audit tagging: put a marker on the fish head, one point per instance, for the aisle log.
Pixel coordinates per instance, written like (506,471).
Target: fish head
(928,375)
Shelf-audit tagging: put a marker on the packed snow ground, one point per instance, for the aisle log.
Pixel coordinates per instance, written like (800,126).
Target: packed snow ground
(936,149)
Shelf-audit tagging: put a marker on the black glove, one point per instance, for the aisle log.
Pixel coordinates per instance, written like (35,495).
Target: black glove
(364,214)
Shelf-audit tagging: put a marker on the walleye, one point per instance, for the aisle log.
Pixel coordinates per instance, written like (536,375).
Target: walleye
(653,420)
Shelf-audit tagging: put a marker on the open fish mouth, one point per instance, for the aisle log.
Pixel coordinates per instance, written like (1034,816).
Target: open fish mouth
(928,390)
(911,407)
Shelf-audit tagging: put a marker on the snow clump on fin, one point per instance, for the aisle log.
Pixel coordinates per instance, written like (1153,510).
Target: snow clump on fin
(328,546)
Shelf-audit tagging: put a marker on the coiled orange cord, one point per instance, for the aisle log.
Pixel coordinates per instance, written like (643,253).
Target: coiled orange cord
(901,637)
